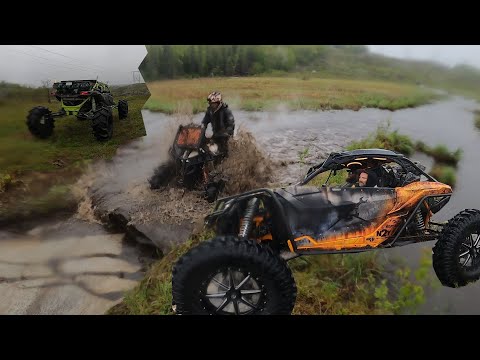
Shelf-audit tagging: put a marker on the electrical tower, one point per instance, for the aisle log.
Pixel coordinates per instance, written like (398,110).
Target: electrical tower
(136,77)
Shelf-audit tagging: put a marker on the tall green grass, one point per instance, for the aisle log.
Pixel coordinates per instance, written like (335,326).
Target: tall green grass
(384,138)
(265,93)
(477,119)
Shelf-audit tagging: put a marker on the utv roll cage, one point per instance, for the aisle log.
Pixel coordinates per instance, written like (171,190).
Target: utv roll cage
(337,161)
(225,207)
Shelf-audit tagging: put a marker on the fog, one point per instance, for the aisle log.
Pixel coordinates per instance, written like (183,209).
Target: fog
(32,64)
(450,55)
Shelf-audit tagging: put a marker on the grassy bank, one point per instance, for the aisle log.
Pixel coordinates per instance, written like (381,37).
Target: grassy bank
(477,119)
(263,93)
(30,167)
(440,153)
(384,138)
(445,174)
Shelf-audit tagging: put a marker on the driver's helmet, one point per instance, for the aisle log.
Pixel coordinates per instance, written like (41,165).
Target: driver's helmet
(214,97)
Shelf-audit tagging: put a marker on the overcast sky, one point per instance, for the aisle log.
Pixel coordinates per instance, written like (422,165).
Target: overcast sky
(30,64)
(446,54)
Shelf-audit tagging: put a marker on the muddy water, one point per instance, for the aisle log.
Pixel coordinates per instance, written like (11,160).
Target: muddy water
(65,267)
(286,135)
(119,190)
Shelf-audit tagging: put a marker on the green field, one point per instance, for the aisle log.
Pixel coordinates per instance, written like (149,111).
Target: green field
(264,93)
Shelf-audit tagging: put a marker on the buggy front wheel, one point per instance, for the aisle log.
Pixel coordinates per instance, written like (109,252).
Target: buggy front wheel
(456,255)
(230,276)
(40,122)
(102,124)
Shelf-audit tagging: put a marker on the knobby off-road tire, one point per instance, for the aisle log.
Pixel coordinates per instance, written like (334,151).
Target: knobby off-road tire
(40,122)
(162,175)
(211,194)
(122,109)
(456,255)
(226,275)
(102,124)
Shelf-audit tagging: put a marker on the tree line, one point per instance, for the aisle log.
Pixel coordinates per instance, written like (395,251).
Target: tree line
(174,61)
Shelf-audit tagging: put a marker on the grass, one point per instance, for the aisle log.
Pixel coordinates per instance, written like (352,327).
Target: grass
(154,293)
(37,194)
(384,138)
(445,174)
(347,284)
(440,153)
(477,119)
(264,93)
(338,179)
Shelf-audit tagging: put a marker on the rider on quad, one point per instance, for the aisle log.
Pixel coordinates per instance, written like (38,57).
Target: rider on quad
(222,120)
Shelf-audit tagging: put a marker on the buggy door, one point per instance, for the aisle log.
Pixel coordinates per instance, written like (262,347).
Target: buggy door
(328,211)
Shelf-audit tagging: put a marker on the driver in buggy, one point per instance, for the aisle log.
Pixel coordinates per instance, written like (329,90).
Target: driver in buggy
(223,123)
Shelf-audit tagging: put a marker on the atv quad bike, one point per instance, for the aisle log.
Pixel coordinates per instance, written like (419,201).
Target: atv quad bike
(243,270)
(85,99)
(191,162)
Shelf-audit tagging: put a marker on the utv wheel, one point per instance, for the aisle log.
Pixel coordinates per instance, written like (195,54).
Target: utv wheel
(211,194)
(229,276)
(122,109)
(162,175)
(456,255)
(40,122)
(102,124)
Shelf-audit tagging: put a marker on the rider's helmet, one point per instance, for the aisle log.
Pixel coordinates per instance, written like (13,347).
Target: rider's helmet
(214,97)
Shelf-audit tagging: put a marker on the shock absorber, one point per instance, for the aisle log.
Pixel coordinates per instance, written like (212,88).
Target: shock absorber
(419,220)
(247,222)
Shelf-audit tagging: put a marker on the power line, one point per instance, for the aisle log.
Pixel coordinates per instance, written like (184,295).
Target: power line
(40,57)
(52,65)
(65,56)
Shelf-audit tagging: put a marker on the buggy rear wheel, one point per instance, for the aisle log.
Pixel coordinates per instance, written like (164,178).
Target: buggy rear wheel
(102,124)
(456,255)
(40,122)
(229,276)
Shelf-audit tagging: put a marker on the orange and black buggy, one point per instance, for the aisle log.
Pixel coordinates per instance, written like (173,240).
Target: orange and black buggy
(243,270)
(191,163)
